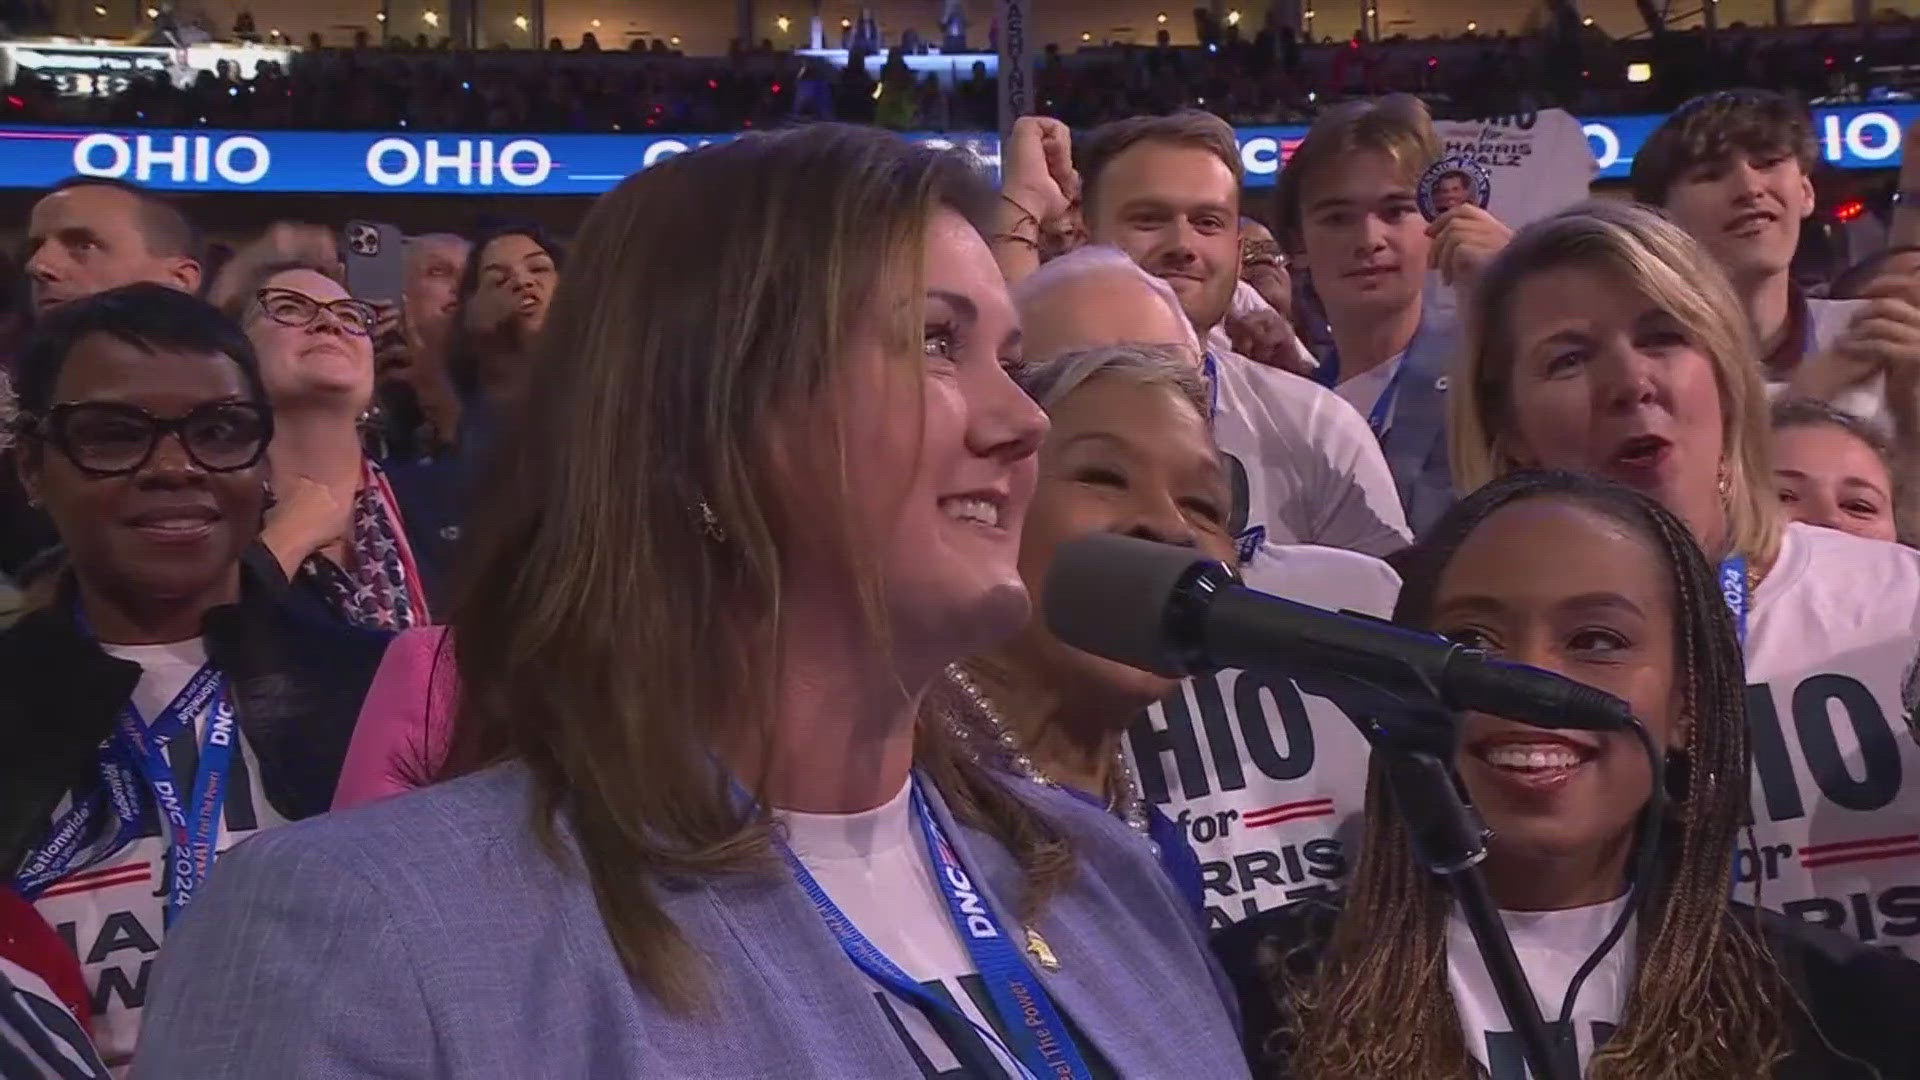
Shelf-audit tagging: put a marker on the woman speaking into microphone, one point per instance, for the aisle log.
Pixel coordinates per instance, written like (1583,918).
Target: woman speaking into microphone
(696,821)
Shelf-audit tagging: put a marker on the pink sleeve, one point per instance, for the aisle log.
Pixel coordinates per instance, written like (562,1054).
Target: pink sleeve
(401,736)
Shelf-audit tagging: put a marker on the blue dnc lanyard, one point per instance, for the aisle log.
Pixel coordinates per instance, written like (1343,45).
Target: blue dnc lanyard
(1733,589)
(1382,410)
(1037,1036)
(1212,370)
(1381,414)
(134,757)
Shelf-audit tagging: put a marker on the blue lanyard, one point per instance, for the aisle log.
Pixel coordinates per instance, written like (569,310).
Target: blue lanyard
(192,841)
(135,757)
(1212,371)
(63,852)
(1733,589)
(1038,1035)
(1328,373)
(1382,410)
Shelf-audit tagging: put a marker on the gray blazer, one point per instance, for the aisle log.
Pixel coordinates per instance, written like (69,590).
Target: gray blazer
(431,936)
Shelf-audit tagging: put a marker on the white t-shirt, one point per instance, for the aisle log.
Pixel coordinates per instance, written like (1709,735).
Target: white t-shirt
(1828,319)
(1363,391)
(1313,472)
(875,867)
(1551,947)
(32,1017)
(1833,702)
(110,912)
(1266,782)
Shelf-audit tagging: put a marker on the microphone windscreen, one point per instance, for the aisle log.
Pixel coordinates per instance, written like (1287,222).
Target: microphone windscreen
(1110,595)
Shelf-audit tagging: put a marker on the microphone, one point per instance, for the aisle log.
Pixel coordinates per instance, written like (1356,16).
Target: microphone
(1167,610)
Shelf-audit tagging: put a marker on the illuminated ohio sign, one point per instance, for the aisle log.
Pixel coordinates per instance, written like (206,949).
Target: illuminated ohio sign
(459,164)
(162,160)
(387,162)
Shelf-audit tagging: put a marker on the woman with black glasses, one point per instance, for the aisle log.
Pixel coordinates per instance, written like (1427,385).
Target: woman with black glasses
(163,705)
(336,528)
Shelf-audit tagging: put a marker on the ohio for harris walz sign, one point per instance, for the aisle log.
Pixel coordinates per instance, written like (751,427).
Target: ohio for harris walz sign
(368,162)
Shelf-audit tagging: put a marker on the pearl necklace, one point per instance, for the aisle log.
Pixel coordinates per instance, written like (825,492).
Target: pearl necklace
(1123,798)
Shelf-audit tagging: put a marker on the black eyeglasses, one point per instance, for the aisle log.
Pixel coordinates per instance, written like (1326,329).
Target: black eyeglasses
(298,310)
(105,438)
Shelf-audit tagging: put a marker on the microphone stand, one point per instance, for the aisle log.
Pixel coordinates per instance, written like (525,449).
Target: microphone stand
(1450,839)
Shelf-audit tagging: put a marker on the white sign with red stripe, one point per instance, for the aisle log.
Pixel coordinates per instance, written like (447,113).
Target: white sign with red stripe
(1836,797)
(1815,856)
(1285,812)
(1266,783)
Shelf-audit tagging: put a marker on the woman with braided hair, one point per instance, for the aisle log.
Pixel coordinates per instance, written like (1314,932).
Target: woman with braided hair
(1388,983)
(1604,340)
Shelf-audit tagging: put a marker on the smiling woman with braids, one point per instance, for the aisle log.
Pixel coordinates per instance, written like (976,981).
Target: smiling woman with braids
(1604,340)
(1389,984)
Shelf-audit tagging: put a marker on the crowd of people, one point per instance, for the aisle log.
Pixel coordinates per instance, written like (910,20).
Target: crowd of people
(1274,76)
(627,656)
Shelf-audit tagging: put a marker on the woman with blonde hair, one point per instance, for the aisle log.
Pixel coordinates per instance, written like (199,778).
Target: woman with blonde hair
(695,820)
(1605,341)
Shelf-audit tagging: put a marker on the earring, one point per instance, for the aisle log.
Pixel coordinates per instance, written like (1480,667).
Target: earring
(268,499)
(1679,775)
(1726,482)
(710,523)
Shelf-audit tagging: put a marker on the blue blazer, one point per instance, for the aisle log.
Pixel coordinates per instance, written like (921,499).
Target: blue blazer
(431,935)
(1416,442)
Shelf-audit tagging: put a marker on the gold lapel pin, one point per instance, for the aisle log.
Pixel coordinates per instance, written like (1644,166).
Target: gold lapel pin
(1042,953)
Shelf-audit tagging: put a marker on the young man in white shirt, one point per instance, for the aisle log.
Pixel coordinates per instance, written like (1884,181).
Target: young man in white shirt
(1734,169)
(1348,208)
(1166,190)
